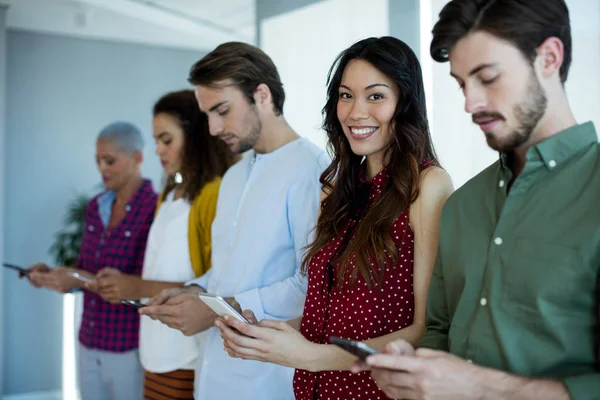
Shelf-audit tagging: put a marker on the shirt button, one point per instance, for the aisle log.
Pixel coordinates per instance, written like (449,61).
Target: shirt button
(93,302)
(552,163)
(91,228)
(470,361)
(127,233)
(92,324)
(498,241)
(127,208)
(501,183)
(483,301)
(97,254)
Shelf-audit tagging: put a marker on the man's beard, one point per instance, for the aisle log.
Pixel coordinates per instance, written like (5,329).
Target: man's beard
(248,142)
(527,114)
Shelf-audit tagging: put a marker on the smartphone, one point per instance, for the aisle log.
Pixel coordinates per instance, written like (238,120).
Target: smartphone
(83,278)
(359,349)
(133,303)
(22,270)
(221,307)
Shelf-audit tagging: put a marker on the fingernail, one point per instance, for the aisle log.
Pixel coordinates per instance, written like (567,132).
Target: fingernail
(226,318)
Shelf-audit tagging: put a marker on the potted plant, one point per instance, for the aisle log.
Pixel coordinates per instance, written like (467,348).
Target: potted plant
(67,241)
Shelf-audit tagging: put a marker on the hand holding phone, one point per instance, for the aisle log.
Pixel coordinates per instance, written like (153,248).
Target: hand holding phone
(81,277)
(359,349)
(21,270)
(221,307)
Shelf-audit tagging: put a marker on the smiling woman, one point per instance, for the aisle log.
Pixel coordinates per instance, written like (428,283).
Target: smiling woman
(370,264)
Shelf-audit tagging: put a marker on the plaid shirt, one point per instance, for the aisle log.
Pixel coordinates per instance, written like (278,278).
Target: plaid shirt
(105,326)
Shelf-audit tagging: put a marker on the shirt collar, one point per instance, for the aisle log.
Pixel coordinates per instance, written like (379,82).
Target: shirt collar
(559,148)
(378,182)
(106,200)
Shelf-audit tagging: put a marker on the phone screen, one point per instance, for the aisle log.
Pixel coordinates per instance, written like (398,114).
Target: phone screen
(22,270)
(359,349)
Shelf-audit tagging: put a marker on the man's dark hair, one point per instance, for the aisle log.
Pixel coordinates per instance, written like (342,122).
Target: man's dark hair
(524,23)
(245,65)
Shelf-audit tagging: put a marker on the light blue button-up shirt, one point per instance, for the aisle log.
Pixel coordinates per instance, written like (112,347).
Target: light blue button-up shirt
(266,214)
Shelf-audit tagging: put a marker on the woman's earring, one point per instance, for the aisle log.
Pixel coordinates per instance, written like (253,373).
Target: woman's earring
(178,178)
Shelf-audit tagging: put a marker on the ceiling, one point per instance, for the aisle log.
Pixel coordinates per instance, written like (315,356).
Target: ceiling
(192,24)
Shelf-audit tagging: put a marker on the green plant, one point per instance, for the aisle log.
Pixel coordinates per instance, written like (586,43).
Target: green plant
(67,241)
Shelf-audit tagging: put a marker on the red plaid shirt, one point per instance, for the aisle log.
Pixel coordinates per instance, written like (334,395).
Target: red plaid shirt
(105,326)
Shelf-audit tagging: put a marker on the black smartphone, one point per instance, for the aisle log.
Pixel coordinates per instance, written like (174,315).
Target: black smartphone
(133,303)
(359,349)
(22,270)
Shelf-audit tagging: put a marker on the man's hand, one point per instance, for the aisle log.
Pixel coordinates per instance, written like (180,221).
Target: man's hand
(35,273)
(184,312)
(398,347)
(425,374)
(113,285)
(168,294)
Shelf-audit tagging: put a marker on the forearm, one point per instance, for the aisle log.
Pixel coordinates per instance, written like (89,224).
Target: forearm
(498,385)
(331,358)
(152,288)
(412,334)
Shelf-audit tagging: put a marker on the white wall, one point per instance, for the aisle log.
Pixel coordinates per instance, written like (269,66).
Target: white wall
(460,144)
(583,84)
(304,43)
(61,91)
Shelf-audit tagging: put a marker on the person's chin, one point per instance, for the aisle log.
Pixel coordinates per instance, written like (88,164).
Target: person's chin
(361,149)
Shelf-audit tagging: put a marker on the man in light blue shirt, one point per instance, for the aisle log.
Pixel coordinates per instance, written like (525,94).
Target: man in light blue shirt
(266,211)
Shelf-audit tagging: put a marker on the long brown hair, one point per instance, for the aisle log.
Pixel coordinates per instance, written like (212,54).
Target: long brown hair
(204,157)
(410,148)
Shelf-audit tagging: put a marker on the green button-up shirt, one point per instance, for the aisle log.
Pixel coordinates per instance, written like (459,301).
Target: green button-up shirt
(516,280)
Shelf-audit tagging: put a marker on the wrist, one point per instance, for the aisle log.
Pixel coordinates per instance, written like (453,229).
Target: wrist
(491,384)
(311,356)
(137,284)
(195,289)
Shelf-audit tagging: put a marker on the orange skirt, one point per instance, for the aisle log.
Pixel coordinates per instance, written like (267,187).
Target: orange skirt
(168,386)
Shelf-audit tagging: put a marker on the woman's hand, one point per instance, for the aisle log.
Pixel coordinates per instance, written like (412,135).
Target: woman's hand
(35,274)
(56,279)
(268,341)
(113,285)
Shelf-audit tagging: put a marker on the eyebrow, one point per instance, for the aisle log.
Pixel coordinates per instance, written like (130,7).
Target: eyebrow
(160,135)
(476,69)
(368,87)
(213,108)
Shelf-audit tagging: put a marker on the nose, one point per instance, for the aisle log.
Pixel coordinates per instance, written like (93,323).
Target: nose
(215,126)
(358,111)
(158,149)
(101,166)
(475,100)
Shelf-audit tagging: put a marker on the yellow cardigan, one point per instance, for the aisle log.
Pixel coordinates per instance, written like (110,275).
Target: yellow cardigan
(202,214)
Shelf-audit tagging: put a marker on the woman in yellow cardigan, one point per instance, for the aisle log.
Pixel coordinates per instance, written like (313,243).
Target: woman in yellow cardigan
(179,242)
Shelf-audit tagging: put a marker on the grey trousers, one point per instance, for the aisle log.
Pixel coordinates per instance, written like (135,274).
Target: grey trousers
(110,376)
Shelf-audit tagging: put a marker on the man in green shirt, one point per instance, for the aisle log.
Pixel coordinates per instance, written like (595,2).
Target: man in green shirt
(512,307)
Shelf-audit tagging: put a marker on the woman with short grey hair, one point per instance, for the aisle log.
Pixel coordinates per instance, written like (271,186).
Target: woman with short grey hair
(117,222)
